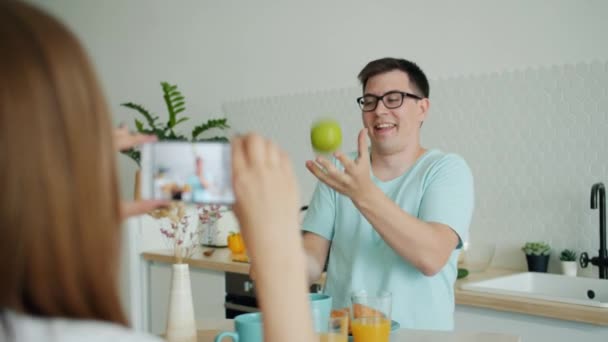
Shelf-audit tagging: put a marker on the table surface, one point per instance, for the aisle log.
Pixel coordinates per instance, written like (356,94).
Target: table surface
(209,329)
(221,261)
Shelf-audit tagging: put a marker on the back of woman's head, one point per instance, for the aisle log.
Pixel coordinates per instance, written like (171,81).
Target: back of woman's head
(59,237)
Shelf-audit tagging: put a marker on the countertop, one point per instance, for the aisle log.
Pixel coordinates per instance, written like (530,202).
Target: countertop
(208,331)
(525,305)
(221,261)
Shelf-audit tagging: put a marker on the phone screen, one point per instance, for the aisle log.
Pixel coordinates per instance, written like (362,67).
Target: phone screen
(198,172)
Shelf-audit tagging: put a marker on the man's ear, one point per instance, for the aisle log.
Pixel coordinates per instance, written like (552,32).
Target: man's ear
(423,106)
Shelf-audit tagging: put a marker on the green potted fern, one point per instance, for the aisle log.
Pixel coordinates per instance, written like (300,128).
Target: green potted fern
(149,123)
(537,256)
(568,261)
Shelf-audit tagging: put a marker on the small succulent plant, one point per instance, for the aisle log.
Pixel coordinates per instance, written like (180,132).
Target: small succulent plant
(536,248)
(567,255)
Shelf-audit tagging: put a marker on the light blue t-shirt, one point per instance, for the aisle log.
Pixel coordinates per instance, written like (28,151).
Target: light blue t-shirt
(437,188)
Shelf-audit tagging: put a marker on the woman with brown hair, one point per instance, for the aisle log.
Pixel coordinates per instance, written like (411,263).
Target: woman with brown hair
(60,212)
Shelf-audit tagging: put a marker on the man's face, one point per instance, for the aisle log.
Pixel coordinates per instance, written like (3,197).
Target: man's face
(393,130)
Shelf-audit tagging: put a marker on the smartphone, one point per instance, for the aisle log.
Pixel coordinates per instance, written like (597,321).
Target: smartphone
(196,172)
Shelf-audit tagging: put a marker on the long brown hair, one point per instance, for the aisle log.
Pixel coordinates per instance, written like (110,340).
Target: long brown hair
(59,233)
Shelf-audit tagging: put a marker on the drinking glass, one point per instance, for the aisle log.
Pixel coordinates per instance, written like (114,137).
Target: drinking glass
(371,316)
(336,331)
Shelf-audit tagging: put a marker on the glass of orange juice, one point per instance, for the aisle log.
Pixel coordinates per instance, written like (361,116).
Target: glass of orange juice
(336,331)
(371,316)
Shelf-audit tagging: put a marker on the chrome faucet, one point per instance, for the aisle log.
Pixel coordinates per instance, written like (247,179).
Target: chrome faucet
(601,261)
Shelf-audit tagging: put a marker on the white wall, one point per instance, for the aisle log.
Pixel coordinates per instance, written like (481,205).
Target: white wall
(220,51)
(535,140)
(225,51)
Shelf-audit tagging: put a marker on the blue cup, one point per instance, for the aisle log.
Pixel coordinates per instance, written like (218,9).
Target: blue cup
(320,304)
(248,328)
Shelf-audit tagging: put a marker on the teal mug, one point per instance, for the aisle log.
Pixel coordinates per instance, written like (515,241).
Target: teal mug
(320,304)
(248,328)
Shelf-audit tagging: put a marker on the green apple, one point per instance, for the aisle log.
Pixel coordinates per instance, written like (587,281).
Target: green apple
(326,136)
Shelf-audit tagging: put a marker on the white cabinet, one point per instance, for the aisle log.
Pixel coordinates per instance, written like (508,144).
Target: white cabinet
(529,328)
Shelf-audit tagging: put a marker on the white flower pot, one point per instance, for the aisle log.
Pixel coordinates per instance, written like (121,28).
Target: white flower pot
(569,268)
(181,326)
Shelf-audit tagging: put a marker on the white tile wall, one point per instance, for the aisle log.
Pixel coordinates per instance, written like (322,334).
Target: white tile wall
(536,140)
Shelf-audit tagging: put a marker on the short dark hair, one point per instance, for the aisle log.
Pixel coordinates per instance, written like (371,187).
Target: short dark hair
(379,66)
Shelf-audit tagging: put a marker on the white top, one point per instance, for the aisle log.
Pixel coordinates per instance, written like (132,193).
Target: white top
(26,328)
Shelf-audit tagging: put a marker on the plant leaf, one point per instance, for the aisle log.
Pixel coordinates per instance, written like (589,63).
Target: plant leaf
(181,120)
(150,118)
(175,103)
(210,124)
(215,138)
(139,125)
(133,154)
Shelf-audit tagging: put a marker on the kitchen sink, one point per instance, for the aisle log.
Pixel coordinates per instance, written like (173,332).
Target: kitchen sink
(552,287)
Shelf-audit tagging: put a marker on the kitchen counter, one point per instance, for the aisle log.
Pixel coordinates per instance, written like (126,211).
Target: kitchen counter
(221,261)
(525,305)
(212,328)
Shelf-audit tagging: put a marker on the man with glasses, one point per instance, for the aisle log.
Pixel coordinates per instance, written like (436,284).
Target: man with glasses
(393,215)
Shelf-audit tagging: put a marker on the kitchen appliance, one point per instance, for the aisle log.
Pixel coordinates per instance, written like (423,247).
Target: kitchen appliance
(241,297)
(240,291)
(216,234)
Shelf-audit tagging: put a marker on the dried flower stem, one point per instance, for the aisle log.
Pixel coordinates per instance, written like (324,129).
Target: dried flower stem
(183,239)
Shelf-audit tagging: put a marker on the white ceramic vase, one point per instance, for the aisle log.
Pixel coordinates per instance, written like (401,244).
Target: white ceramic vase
(181,325)
(569,268)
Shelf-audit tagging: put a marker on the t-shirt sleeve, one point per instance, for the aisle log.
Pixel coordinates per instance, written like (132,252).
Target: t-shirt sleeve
(321,213)
(449,195)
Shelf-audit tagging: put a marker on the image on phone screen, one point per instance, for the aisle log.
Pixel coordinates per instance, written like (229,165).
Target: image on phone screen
(198,172)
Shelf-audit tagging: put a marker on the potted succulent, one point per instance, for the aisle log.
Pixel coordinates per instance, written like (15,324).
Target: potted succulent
(568,260)
(537,256)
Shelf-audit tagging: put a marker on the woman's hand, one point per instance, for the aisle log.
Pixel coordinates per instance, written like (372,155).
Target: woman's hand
(124,140)
(267,197)
(267,208)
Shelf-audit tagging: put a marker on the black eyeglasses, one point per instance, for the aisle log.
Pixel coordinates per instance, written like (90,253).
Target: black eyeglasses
(391,100)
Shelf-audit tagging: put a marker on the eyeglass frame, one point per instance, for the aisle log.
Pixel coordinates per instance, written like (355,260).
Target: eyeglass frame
(403,94)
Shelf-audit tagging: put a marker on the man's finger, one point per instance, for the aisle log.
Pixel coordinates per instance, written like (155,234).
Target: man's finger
(330,169)
(362,144)
(344,160)
(322,175)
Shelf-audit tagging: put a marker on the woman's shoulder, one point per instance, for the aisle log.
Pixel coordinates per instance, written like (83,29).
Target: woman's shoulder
(29,328)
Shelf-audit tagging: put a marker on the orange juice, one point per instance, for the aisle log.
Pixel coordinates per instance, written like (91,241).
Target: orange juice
(371,329)
(332,337)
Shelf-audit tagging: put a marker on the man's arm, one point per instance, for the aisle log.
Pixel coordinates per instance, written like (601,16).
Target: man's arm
(316,249)
(426,245)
